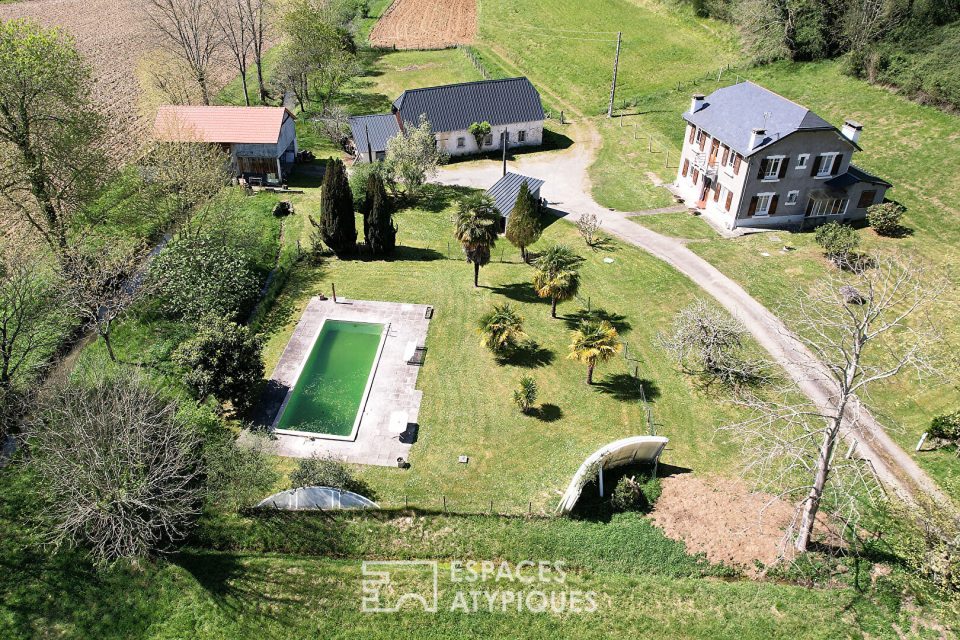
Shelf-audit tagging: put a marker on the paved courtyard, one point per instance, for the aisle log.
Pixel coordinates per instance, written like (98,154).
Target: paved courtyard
(388,424)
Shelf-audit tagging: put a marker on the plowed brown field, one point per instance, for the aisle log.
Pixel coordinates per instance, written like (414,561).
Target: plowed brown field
(113,36)
(426,24)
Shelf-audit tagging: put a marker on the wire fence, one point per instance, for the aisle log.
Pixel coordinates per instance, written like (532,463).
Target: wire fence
(476,60)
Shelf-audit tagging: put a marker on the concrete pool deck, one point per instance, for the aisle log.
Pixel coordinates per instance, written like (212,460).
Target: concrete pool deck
(392,392)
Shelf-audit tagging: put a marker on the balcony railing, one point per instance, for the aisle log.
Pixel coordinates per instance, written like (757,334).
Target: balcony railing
(701,161)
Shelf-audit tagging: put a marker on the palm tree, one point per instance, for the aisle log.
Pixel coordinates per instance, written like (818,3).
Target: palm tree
(595,341)
(557,276)
(501,328)
(476,225)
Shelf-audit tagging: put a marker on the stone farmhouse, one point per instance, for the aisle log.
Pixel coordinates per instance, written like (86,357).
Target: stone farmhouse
(512,107)
(261,141)
(752,158)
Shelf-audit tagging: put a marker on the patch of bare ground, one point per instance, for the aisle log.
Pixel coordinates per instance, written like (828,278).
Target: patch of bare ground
(727,522)
(426,24)
(115,37)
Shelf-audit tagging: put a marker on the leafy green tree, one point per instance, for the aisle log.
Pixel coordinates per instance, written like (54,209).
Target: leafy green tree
(475,227)
(379,230)
(501,328)
(359,177)
(594,342)
(839,242)
(51,136)
(337,222)
(523,223)
(412,158)
(238,474)
(224,360)
(479,131)
(525,395)
(197,276)
(557,275)
(885,218)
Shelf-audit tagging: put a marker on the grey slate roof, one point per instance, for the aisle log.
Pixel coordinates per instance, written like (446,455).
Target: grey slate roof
(507,188)
(454,107)
(731,113)
(382,127)
(854,175)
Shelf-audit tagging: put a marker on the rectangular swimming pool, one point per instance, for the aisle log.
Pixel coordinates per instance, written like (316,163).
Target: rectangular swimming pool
(332,387)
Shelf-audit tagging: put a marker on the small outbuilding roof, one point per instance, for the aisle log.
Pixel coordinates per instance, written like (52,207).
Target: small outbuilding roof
(454,107)
(507,188)
(854,175)
(732,113)
(226,125)
(381,128)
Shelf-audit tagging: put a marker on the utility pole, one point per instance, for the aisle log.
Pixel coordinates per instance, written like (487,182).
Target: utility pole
(613,87)
(503,140)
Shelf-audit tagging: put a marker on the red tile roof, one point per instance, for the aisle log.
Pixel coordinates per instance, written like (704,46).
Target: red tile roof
(250,125)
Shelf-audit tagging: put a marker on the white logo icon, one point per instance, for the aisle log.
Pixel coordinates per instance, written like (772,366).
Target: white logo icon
(389,585)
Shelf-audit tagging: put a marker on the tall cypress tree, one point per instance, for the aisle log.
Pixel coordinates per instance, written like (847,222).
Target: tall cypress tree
(523,225)
(379,230)
(337,224)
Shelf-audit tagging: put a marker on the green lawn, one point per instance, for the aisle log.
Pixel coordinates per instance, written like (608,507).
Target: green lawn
(467,408)
(678,225)
(569,46)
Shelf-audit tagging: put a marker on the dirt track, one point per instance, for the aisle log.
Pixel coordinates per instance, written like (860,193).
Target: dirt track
(426,24)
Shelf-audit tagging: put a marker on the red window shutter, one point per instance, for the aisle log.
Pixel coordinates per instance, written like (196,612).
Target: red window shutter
(816,166)
(737,159)
(783,167)
(726,155)
(729,200)
(716,193)
(693,133)
(696,176)
(703,140)
(753,206)
(686,167)
(773,205)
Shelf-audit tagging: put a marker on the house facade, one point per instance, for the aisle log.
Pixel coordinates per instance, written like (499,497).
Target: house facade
(261,141)
(752,158)
(511,106)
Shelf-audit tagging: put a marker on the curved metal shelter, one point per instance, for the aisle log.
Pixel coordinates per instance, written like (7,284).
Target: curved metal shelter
(642,449)
(324,498)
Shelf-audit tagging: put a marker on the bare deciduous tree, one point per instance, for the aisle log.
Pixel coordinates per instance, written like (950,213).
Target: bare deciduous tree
(102,286)
(847,347)
(29,328)
(588,224)
(117,468)
(232,18)
(188,30)
(189,173)
(258,13)
(709,344)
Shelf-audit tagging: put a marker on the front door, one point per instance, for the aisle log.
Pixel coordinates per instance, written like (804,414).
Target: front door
(702,200)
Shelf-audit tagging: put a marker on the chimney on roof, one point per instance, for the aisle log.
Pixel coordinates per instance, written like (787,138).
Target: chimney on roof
(756,137)
(697,102)
(851,130)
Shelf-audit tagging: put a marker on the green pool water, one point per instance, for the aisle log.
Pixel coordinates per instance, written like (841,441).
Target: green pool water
(327,395)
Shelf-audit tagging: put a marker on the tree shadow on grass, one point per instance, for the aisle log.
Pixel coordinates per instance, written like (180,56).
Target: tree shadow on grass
(624,387)
(547,412)
(519,291)
(530,355)
(402,253)
(618,320)
(436,197)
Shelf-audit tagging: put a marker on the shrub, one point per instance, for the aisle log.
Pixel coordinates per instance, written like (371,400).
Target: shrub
(237,475)
(359,178)
(326,472)
(839,242)
(479,131)
(885,218)
(282,209)
(201,276)
(946,427)
(525,395)
(224,360)
(633,494)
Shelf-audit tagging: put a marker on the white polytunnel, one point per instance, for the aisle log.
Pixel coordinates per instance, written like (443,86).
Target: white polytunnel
(325,498)
(636,449)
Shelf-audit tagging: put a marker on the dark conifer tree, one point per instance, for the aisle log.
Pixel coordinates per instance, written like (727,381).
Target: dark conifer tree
(379,230)
(337,224)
